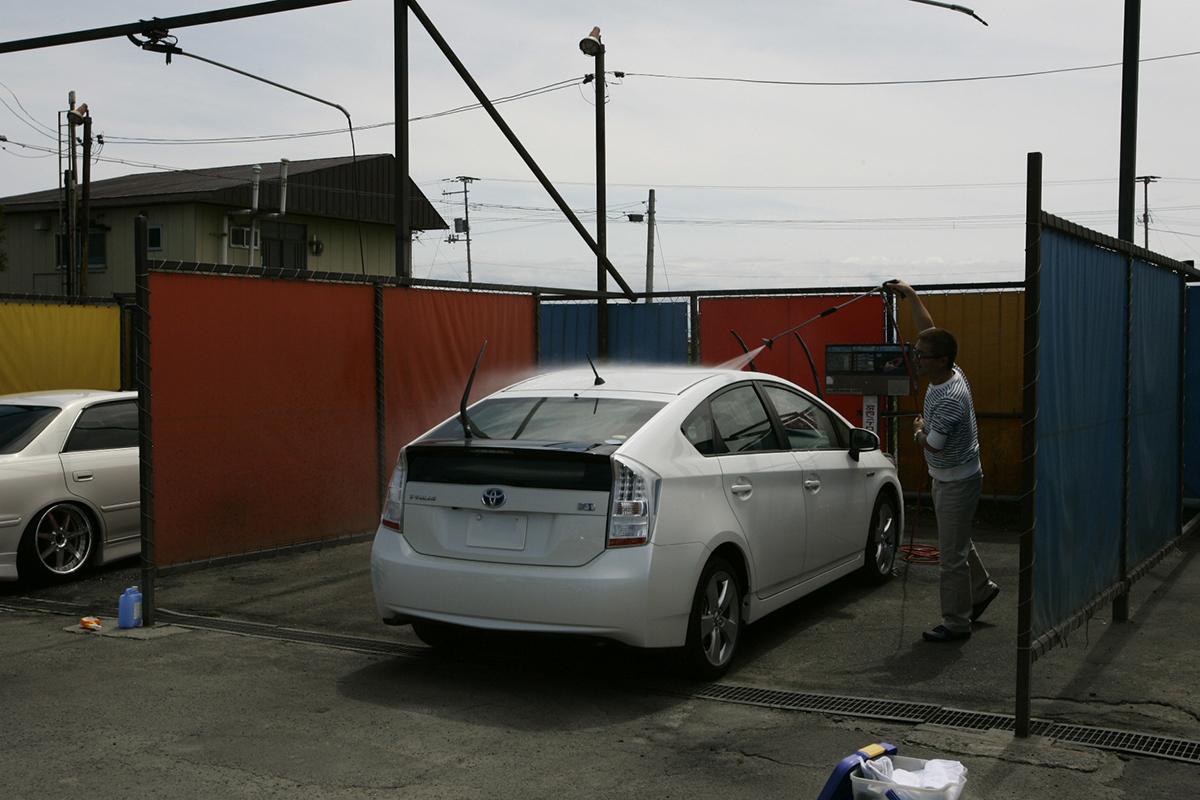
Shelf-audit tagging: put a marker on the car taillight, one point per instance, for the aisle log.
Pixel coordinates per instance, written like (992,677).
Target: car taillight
(393,503)
(634,497)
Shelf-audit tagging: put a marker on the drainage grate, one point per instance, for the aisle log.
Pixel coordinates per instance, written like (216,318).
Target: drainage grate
(822,703)
(972,720)
(1141,744)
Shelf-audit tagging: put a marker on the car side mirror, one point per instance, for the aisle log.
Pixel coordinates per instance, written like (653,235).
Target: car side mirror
(862,440)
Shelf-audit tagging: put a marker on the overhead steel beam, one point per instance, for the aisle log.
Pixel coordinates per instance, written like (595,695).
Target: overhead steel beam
(164,23)
(469,80)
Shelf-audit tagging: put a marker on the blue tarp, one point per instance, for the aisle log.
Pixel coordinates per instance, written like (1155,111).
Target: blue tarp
(1155,340)
(1191,403)
(651,333)
(1080,426)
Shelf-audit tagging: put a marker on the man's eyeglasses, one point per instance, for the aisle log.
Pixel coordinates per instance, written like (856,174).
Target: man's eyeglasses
(921,354)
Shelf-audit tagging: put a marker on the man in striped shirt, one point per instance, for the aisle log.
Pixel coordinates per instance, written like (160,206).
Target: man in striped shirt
(947,434)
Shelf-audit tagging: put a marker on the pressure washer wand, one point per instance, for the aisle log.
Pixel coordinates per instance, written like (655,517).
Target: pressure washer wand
(831,310)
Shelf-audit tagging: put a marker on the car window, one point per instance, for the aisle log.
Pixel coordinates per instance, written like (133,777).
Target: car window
(698,428)
(555,419)
(806,425)
(20,425)
(107,426)
(741,421)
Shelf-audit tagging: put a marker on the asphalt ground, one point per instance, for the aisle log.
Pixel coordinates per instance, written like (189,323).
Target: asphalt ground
(209,714)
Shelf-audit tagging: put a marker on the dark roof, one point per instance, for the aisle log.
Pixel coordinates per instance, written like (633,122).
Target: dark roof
(322,187)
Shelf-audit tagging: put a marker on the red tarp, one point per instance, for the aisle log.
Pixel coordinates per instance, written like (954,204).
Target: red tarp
(431,341)
(755,318)
(263,407)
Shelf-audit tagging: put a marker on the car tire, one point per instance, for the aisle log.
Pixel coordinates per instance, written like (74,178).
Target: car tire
(58,543)
(883,541)
(715,626)
(438,635)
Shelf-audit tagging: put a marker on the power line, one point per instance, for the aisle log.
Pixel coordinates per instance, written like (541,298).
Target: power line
(922,81)
(828,187)
(274,137)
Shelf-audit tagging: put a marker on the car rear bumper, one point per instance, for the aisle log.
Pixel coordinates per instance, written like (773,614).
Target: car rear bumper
(638,595)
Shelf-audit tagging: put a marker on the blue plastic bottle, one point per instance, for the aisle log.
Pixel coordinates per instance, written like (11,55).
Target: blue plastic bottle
(129,610)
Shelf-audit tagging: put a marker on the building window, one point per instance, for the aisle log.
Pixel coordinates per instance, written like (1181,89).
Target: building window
(96,256)
(97,253)
(154,237)
(240,237)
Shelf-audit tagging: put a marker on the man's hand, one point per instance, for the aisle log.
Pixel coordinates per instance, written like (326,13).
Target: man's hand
(918,426)
(899,287)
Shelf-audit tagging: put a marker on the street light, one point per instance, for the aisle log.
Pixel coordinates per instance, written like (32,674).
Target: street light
(592,47)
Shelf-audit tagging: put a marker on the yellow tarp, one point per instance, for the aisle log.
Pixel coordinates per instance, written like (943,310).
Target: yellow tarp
(46,346)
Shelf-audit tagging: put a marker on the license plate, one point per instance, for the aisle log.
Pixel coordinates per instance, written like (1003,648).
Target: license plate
(497,531)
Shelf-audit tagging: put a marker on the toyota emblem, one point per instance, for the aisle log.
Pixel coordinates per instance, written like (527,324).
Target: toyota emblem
(493,498)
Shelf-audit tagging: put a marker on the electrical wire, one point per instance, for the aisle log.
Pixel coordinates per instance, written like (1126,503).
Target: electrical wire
(274,137)
(807,188)
(923,81)
(28,119)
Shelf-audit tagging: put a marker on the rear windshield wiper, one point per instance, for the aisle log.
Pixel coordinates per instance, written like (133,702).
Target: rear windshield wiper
(470,429)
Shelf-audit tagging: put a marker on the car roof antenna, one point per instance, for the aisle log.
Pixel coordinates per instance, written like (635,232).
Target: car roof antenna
(599,381)
(470,429)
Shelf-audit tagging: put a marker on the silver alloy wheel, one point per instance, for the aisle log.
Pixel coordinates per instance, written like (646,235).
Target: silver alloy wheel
(720,618)
(62,539)
(885,538)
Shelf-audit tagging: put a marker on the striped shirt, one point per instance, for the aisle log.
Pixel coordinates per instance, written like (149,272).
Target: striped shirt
(949,413)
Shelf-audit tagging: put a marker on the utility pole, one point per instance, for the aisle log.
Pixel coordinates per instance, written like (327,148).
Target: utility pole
(1146,181)
(650,246)
(85,224)
(465,228)
(69,241)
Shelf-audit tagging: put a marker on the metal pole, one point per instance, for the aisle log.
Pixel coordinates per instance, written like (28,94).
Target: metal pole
(72,221)
(1129,101)
(467,224)
(487,105)
(650,246)
(86,223)
(1120,606)
(1182,416)
(380,397)
(1033,267)
(141,323)
(403,200)
(601,216)
(1146,181)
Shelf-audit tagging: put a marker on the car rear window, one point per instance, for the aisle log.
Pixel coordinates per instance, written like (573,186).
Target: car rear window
(555,419)
(20,425)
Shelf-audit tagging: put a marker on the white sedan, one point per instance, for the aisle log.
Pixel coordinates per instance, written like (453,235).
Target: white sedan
(663,507)
(68,481)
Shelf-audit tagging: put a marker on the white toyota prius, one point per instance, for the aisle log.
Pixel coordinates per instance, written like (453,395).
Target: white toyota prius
(659,507)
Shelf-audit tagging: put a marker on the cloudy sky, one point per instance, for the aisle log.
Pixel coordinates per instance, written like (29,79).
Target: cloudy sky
(757,184)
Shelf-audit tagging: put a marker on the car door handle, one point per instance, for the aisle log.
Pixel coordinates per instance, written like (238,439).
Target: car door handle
(812,485)
(742,489)
(81,476)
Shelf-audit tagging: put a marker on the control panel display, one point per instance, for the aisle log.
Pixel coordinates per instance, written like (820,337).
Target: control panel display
(867,369)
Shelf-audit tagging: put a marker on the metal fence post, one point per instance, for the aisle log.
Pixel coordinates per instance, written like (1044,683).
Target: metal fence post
(1120,605)
(141,325)
(1033,267)
(380,397)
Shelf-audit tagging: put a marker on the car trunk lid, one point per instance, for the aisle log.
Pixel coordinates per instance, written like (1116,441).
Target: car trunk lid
(538,503)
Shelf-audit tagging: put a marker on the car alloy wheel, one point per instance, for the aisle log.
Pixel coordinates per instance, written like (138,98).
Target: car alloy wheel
(716,621)
(61,540)
(883,539)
